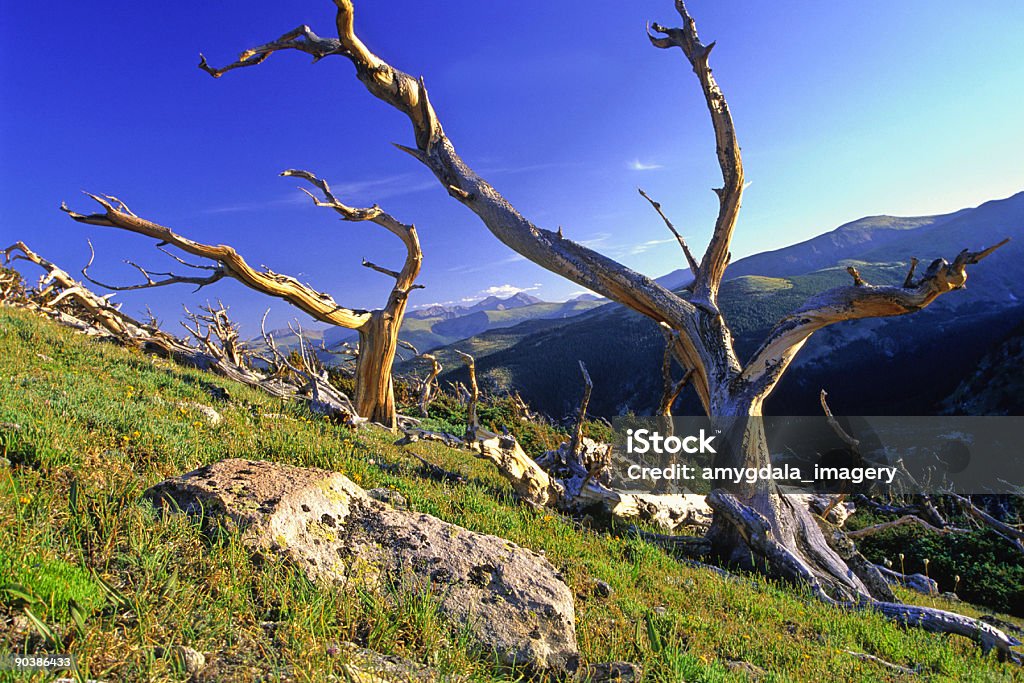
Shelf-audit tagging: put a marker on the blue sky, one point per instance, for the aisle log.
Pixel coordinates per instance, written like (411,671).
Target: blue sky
(842,109)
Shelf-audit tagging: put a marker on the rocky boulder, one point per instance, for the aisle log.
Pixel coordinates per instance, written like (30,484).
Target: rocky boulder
(515,603)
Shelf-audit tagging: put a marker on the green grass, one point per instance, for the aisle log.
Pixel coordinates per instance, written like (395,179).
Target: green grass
(99,424)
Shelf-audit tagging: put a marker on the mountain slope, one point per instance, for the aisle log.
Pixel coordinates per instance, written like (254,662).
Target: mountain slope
(623,350)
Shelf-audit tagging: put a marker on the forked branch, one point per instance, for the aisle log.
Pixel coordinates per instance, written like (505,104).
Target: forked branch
(407,233)
(716,258)
(170,278)
(855,302)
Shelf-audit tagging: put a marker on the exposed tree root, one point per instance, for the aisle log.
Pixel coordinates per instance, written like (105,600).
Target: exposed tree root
(756,530)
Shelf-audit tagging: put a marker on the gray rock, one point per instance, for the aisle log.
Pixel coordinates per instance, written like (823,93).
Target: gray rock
(362,665)
(603,589)
(512,599)
(211,416)
(389,496)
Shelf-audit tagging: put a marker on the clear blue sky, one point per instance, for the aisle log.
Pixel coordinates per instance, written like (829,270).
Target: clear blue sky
(843,110)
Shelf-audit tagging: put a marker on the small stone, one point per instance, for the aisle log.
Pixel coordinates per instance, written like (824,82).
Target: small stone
(603,589)
(751,671)
(191,660)
(612,672)
(213,418)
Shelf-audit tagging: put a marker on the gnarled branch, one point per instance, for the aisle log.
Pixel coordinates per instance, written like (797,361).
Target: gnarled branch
(171,278)
(317,304)
(716,258)
(407,233)
(851,303)
(711,361)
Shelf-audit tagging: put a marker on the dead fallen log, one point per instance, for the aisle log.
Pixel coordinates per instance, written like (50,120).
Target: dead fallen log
(865,657)
(573,477)
(915,582)
(686,546)
(1012,534)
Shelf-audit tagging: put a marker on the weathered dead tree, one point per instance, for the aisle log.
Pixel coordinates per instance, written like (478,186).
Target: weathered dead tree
(12,286)
(69,302)
(310,376)
(378,329)
(472,398)
(220,337)
(751,519)
(424,388)
(428,385)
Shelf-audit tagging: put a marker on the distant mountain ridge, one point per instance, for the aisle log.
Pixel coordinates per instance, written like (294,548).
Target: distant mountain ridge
(491,303)
(434,326)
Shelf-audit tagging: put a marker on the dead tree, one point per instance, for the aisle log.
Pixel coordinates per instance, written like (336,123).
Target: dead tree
(428,385)
(378,329)
(425,389)
(221,337)
(751,519)
(68,301)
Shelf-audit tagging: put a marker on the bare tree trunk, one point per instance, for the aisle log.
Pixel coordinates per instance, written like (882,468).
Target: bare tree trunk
(375,390)
(789,520)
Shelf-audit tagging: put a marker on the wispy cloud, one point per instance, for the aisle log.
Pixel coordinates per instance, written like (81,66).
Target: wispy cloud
(258,206)
(637,165)
(487,265)
(597,240)
(646,246)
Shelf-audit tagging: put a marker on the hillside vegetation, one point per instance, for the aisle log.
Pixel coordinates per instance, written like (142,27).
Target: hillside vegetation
(623,350)
(88,426)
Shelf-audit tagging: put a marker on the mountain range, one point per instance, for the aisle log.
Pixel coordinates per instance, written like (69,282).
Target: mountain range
(905,365)
(437,325)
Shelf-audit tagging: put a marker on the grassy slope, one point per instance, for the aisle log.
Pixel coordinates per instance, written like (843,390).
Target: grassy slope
(100,424)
